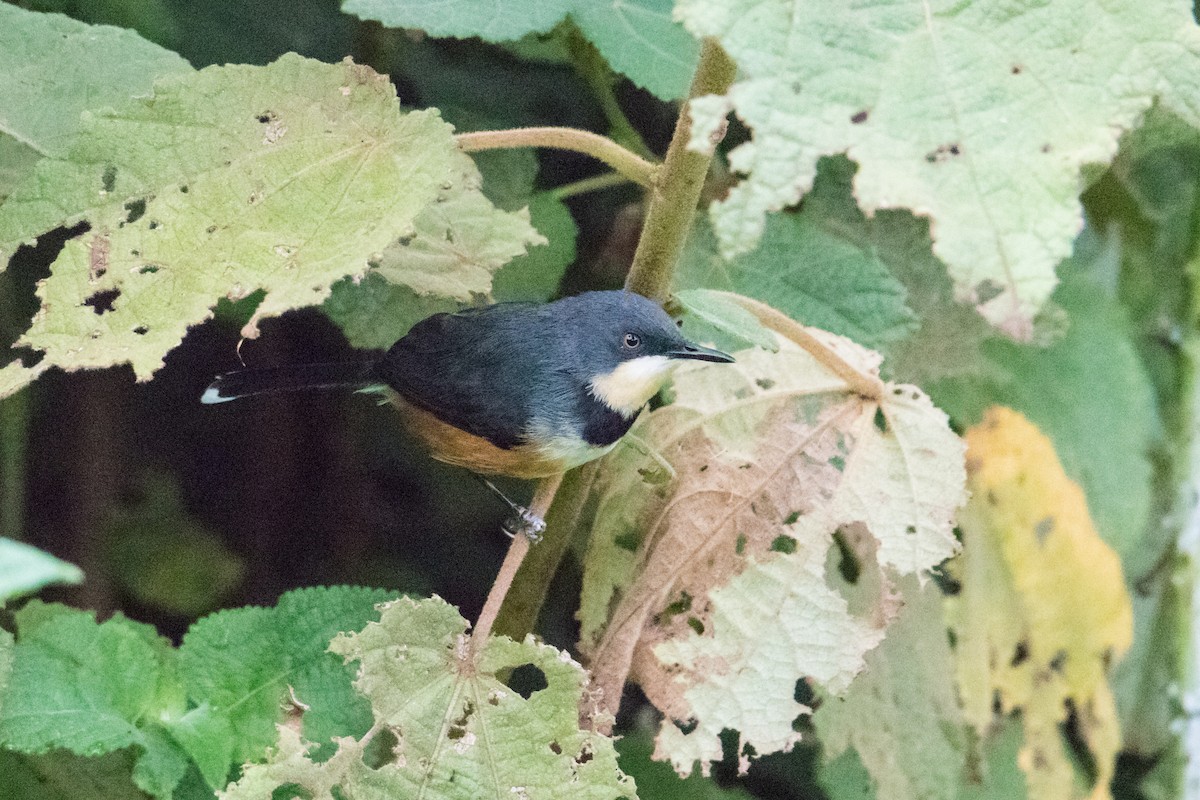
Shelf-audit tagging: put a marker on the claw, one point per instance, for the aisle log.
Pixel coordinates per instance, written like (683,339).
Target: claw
(523,521)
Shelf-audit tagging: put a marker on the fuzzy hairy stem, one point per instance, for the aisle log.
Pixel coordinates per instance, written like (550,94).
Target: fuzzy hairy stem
(543,496)
(676,190)
(626,162)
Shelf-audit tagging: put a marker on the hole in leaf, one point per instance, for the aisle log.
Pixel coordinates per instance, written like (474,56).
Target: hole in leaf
(792,518)
(183,188)
(527,679)
(986,290)
(134,210)
(859,118)
(585,754)
(739,546)
(911,530)
(695,624)
(783,544)
(108,179)
(27,356)
(556,748)
(686,726)
(630,540)
(764,383)
(102,302)
(291,791)
(684,603)
(1073,732)
(458,728)
(1059,661)
(266,117)
(848,565)
(382,749)
(1020,654)
(147,269)
(141,330)
(1017,69)
(153,224)
(881,423)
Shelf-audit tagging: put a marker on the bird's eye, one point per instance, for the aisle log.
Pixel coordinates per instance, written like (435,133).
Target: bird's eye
(632,340)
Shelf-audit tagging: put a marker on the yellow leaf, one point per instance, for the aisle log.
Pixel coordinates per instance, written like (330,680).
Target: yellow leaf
(1043,611)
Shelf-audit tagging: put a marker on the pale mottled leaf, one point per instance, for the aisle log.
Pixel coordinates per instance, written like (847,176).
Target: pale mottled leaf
(979,114)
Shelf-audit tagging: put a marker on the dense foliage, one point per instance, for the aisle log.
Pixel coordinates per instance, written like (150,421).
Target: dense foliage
(930,537)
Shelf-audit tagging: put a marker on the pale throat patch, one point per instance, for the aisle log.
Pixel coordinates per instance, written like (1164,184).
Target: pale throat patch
(628,387)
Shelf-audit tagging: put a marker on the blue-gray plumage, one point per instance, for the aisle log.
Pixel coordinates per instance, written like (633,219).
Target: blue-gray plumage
(515,388)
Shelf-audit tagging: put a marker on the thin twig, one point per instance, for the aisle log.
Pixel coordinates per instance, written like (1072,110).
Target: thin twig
(595,183)
(543,496)
(624,161)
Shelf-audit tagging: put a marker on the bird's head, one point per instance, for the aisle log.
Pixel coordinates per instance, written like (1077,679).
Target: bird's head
(628,346)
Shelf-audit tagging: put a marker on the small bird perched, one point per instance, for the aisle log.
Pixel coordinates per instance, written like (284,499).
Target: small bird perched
(516,389)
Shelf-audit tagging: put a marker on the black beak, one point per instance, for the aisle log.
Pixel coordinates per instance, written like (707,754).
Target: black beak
(698,353)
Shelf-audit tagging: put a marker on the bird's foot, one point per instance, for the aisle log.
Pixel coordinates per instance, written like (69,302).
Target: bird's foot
(526,523)
(523,521)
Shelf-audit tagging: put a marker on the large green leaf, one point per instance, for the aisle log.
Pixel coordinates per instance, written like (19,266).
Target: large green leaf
(54,68)
(239,666)
(1088,391)
(979,114)
(637,37)
(462,733)
(93,689)
(227,181)
(819,270)
(904,689)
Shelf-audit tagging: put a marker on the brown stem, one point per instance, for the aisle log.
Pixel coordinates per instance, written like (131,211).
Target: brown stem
(626,162)
(866,385)
(543,496)
(676,192)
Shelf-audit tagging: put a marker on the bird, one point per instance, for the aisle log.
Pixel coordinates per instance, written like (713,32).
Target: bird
(523,390)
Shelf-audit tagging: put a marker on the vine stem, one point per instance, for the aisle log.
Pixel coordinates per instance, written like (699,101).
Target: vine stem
(543,496)
(624,161)
(676,190)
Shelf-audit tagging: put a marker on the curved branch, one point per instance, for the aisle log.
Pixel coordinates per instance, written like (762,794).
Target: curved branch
(626,162)
(863,384)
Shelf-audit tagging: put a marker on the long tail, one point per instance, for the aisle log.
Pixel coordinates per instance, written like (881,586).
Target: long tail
(289,378)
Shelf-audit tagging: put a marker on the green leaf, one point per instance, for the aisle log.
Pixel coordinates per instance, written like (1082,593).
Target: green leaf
(638,38)
(903,689)
(228,180)
(1089,392)
(93,689)
(54,68)
(7,642)
(373,313)
(65,776)
(462,733)
(812,270)
(656,779)
(238,665)
(25,569)
(714,317)
(536,275)
(978,114)
(377,310)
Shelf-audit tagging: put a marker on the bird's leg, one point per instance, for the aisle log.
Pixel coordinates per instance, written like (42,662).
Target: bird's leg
(522,521)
